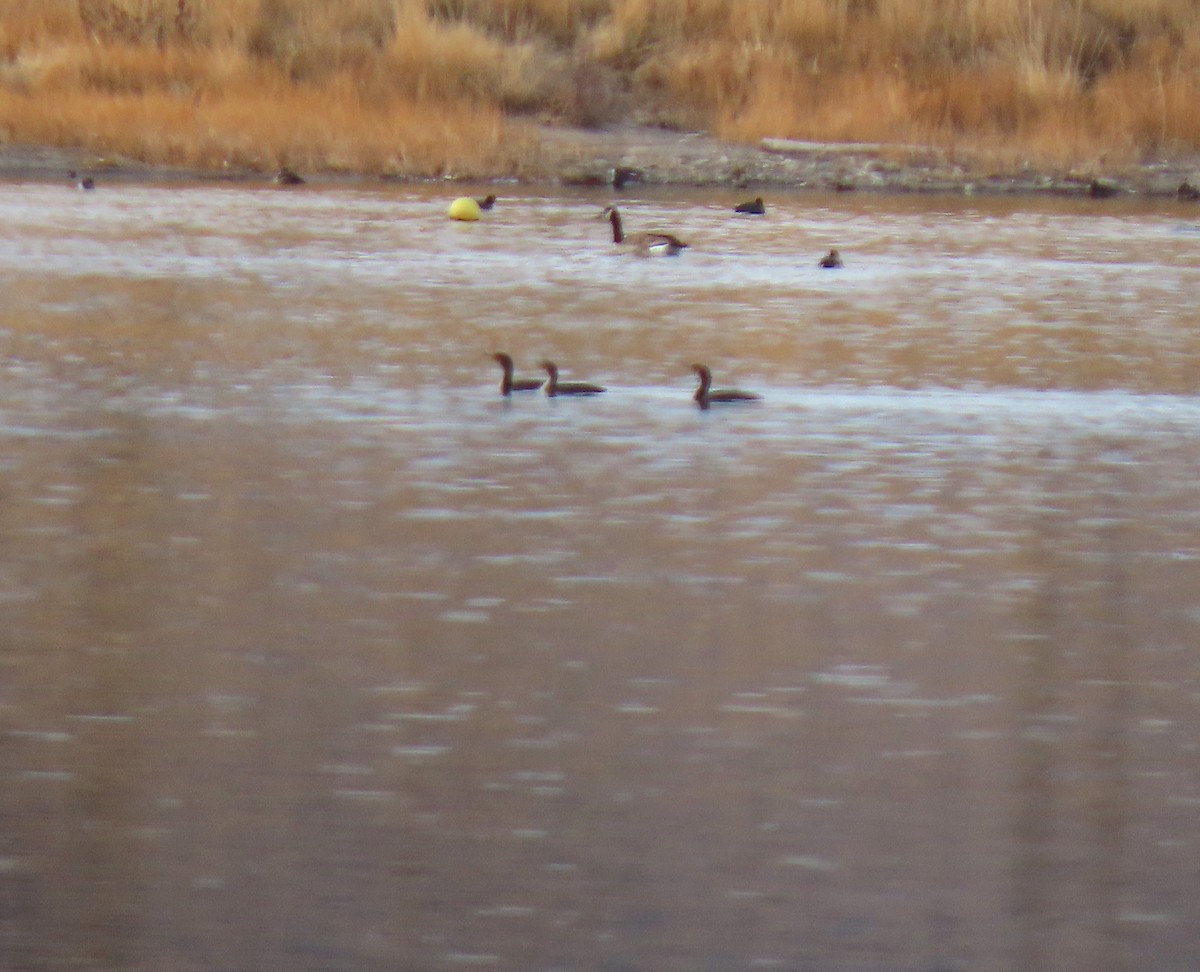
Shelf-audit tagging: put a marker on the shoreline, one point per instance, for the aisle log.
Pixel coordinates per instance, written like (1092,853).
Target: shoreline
(656,157)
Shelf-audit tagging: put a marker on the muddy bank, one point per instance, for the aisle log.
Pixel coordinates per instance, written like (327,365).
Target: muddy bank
(632,156)
(666,158)
(44,163)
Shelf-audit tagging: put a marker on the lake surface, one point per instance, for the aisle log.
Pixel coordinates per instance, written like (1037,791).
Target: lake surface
(318,655)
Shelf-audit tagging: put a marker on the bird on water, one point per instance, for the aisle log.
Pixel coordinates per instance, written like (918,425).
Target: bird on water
(643,244)
(554,387)
(831,261)
(508,384)
(288,177)
(755,207)
(622,175)
(85,182)
(487,202)
(707,395)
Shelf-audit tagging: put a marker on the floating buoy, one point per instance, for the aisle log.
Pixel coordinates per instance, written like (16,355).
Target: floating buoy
(464,208)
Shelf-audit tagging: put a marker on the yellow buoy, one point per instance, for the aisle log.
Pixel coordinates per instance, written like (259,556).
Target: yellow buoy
(464,208)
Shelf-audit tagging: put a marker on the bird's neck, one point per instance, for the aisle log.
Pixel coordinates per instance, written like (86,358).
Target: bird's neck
(618,234)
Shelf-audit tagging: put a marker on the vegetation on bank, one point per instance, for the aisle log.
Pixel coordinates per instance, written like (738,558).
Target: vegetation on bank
(430,86)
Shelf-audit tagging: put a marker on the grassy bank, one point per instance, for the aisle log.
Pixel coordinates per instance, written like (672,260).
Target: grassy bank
(433,86)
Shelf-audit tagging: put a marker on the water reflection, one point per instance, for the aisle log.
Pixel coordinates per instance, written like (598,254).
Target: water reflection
(319,654)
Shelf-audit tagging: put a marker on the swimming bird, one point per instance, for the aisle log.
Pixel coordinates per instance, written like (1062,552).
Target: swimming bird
(1187,192)
(620,176)
(87,182)
(831,261)
(554,387)
(755,208)
(643,244)
(508,384)
(487,202)
(287,177)
(1103,189)
(706,394)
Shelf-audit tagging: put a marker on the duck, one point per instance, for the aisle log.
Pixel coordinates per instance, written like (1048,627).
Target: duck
(620,176)
(707,395)
(288,177)
(1103,189)
(1187,192)
(487,202)
(508,384)
(643,244)
(831,261)
(554,387)
(86,183)
(756,207)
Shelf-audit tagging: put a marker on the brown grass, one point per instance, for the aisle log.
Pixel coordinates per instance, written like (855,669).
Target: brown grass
(429,86)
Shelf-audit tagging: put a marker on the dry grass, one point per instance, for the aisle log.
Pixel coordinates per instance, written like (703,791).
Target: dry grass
(278,124)
(426,86)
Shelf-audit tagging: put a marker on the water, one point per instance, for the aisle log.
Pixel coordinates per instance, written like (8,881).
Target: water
(318,655)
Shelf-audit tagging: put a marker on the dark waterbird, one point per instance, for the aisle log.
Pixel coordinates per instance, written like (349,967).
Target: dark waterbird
(707,395)
(654,243)
(508,384)
(622,175)
(755,207)
(1103,189)
(288,177)
(554,387)
(487,202)
(831,261)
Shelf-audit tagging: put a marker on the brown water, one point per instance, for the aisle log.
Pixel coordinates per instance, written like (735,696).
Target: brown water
(317,655)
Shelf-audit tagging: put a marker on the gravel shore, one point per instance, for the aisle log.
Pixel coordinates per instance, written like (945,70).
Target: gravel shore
(648,156)
(667,158)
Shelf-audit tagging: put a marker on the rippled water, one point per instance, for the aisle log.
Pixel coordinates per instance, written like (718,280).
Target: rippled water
(318,655)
